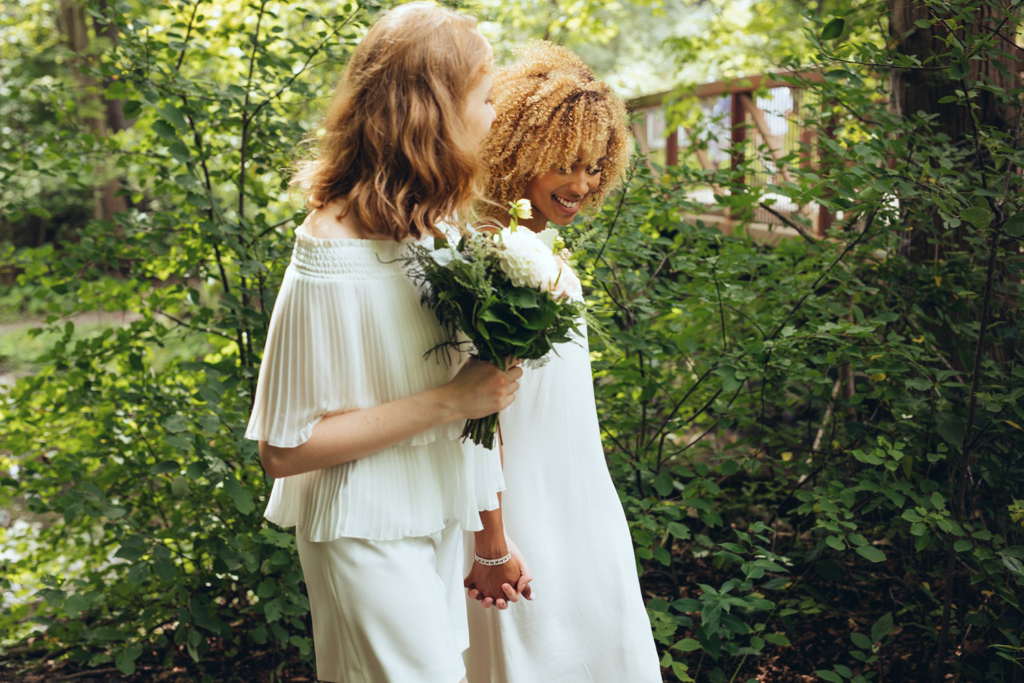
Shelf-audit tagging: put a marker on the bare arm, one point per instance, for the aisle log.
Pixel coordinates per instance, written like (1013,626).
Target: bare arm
(478,389)
(502,584)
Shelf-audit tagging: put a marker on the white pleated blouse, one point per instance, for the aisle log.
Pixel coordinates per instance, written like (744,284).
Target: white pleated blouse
(348,332)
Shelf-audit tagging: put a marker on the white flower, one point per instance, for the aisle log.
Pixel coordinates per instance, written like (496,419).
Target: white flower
(522,209)
(526,260)
(548,237)
(568,284)
(443,256)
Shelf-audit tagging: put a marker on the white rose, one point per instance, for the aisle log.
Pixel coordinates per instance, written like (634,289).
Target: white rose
(523,209)
(526,260)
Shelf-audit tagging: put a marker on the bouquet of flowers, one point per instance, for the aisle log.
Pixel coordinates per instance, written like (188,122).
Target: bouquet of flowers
(508,293)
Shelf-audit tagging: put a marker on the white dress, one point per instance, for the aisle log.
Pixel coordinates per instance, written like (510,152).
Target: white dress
(587,622)
(380,539)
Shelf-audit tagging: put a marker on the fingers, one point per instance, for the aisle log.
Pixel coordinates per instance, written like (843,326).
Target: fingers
(510,592)
(515,373)
(473,594)
(488,602)
(528,592)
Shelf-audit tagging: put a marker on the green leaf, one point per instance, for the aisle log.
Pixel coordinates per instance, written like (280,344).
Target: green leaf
(833,29)
(174,115)
(978,216)
(241,496)
(76,604)
(882,627)
(861,640)
(871,553)
(131,109)
(962,545)
(1014,225)
(663,484)
(911,515)
(777,639)
(687,645)
(679,531)
(165,131)
(829,676)
(950,427)
(125,661)
(179,152)
(175,423)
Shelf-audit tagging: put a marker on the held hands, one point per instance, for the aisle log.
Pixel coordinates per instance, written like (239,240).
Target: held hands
(502,584)
(481,389)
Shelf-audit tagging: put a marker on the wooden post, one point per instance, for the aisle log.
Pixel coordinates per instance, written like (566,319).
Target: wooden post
(739,132)
(672,148)
(766,134)
(824,217)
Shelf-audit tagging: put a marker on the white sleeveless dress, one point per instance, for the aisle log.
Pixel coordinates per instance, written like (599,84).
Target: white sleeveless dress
(587,622)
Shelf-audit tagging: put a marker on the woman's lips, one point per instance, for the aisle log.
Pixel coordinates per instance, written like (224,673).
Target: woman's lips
(567,207)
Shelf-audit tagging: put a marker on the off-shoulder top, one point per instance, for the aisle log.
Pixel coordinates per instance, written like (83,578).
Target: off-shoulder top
(348,332)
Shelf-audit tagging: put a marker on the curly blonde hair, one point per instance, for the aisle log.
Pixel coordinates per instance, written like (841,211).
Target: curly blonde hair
(549,106)
(395,143)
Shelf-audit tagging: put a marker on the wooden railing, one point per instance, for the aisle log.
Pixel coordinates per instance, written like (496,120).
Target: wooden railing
(763,111)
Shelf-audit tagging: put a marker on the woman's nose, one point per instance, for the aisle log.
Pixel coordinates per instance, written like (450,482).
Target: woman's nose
(579,183)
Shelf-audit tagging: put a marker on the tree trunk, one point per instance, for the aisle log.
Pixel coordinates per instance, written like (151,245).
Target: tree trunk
(101,116)
(914,90)
(921,90)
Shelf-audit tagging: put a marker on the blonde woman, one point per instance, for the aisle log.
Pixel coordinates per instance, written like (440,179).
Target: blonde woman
(560,139)
(358,430)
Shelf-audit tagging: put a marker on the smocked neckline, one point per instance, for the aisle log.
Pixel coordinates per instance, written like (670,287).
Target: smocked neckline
(348,258)
(302,233)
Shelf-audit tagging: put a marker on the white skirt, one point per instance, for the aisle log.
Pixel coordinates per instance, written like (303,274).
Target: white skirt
(387,611)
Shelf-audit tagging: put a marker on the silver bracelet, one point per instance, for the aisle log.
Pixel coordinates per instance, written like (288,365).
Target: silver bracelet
(492,563)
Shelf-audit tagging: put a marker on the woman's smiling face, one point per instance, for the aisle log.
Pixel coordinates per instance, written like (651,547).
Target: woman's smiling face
(558,194)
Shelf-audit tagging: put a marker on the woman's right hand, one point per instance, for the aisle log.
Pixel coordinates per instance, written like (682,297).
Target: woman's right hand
(480,389)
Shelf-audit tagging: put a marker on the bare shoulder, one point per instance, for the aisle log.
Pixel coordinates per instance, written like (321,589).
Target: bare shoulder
(328,223)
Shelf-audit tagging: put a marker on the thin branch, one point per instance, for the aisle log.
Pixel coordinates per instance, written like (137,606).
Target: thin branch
(813,240)
(188,32)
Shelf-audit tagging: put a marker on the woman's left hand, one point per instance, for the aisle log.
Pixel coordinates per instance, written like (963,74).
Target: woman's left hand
(515,578)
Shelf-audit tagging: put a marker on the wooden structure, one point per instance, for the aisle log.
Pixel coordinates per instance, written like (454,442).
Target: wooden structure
(762,110)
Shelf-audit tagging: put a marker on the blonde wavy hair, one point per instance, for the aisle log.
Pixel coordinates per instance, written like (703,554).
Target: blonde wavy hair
(549,106)
(395,143)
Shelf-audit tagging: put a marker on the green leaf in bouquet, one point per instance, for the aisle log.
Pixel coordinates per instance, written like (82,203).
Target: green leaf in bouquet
(542,319)
(524,297)
(491,315)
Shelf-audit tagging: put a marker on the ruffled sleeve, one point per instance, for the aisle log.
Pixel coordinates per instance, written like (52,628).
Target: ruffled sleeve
(285,408)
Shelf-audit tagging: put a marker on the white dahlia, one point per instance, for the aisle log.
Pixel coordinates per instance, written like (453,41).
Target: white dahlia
(526,260)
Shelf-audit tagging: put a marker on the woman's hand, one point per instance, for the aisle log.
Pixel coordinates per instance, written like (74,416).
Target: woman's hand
(481,389)
(479,578)
(493,585)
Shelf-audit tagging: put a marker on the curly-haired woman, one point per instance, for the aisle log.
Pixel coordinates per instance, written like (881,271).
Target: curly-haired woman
(560,139)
